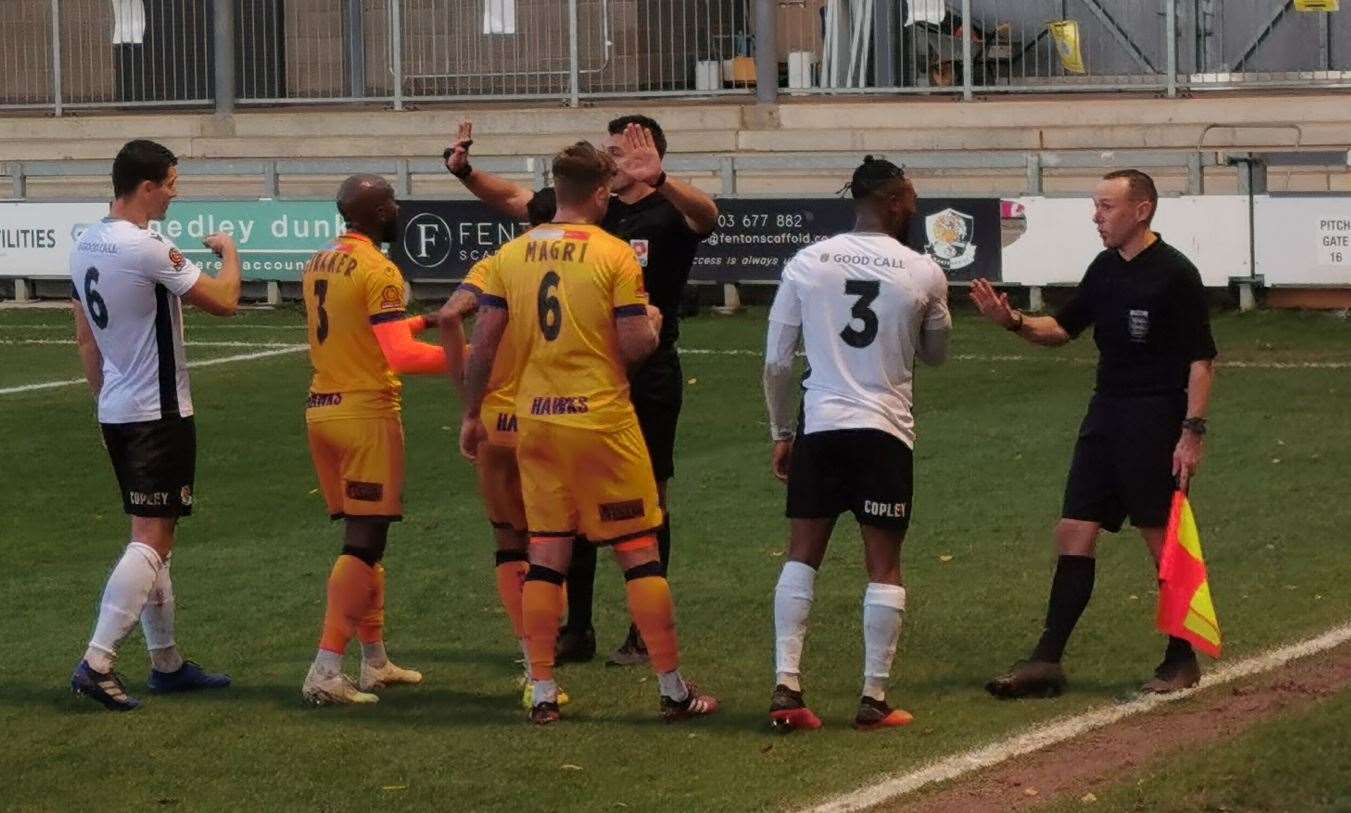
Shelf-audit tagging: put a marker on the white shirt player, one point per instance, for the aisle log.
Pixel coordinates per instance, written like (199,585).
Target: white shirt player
(129,281)
(865,305)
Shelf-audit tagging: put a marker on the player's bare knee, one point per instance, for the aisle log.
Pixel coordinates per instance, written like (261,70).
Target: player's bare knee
(882,555)
(156,532)
(1076,537)
(637,553)
(554,553)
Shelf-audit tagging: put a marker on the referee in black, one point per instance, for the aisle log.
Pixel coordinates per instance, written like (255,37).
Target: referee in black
(664,220)
(1144,433)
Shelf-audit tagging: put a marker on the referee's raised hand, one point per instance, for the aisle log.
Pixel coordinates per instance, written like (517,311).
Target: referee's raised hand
(992,304)
(641,161)
(456,155)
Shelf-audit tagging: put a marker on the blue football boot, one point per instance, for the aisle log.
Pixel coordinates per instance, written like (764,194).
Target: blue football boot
(104,688)
(189,677)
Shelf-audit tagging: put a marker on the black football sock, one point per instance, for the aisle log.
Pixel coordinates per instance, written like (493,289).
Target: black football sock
(1070,591)
(1179,650)
(664,545)
(581,584)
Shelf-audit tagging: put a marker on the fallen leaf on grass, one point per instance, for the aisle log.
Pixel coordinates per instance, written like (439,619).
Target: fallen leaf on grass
(694,381)
(1030,791)
(946,557)
(314,491)
(567,766)
(394,787)
(1088,798)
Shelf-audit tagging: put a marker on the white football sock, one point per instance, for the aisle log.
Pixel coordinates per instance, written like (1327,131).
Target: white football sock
(374,654)
(792,604)
(157,622)
(544,691)
(673,685)
(328,663)
(883,606)
(123,598)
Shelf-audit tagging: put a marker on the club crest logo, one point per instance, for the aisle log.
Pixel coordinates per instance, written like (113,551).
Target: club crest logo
(185,496)
(949,234)
(176,258)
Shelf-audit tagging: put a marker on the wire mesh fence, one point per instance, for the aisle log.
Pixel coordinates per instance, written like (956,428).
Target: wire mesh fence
(127,53)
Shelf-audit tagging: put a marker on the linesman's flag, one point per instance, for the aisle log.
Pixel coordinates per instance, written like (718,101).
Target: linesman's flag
(1185,608)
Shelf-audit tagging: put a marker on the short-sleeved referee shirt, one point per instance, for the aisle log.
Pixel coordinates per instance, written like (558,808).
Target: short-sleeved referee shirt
(1149,320)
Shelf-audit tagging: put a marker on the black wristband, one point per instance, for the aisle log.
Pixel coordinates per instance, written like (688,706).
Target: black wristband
(660,182)
(1017,326)
(464,173)
(1196,426)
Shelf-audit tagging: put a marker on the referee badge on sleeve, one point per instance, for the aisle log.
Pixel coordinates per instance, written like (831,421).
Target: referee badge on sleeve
(640,248)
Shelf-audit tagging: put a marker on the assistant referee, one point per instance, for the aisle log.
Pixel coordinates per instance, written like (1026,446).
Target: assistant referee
(1144,433)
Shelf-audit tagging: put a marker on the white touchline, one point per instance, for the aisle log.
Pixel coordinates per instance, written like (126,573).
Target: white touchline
(50,385)
(886,788)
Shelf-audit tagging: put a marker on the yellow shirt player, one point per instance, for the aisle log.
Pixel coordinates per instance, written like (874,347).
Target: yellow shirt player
(360,341)
(570,299)
(499,478)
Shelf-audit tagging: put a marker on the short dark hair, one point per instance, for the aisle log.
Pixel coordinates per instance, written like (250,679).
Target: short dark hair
(140,160)
(578,170)
(542,206)
(1141,186)
(658,137)
(873,176)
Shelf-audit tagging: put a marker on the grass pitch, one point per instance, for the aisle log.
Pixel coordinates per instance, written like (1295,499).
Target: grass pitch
(995,439)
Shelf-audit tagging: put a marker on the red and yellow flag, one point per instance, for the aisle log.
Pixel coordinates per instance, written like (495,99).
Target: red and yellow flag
(1185,608)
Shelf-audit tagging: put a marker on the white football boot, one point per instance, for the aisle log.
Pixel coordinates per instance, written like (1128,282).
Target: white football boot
(378,677)
(323,689)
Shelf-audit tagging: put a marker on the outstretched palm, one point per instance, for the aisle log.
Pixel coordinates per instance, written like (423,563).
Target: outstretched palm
(640,160)
(992,304)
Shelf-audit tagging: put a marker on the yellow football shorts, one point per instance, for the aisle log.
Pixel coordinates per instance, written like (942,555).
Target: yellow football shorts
(583,481)
(360,466)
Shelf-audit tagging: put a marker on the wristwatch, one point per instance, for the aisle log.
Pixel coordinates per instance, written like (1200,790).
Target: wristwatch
(1018,325)
(1197,426)
(660,182)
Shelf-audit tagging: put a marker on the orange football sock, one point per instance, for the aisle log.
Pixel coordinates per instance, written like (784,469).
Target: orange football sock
(349,597)
(371,629)
(542,604)
(510,580)
(653,611)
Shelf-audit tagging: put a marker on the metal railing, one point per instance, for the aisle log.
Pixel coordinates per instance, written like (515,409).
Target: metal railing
(58,54)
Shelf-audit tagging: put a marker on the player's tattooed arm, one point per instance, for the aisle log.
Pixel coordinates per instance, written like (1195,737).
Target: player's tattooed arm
(488,329)
(450,319)
(638,335)
(90,357)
